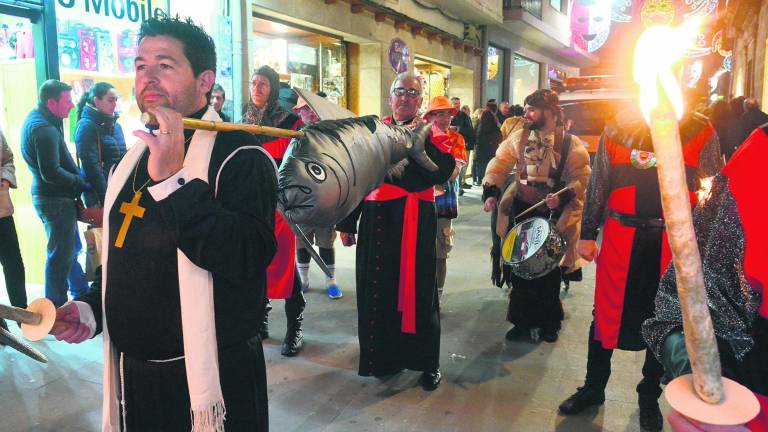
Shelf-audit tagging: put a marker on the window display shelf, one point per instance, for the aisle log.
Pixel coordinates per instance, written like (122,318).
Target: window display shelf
(95,74)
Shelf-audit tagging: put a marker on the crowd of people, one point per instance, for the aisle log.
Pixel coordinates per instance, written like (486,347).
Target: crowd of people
(195,247)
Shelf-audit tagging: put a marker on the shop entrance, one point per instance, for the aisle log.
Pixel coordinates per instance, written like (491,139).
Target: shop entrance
(18,96)
(303,58)
(436,79)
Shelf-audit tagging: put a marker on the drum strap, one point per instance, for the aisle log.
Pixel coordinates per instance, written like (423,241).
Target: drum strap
(563,143)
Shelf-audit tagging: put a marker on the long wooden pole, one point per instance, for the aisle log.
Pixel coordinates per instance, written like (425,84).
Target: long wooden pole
(190,123)
(697,324)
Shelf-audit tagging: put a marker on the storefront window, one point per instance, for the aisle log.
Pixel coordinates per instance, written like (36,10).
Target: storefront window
(303,59)
(526,73)
(495,74)
(95,45)
(435,79)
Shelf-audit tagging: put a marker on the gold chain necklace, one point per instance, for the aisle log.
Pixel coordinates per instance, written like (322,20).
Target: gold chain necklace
(132,209)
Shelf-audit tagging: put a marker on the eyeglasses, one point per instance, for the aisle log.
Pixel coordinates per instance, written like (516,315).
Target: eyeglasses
(442,114)
(411,93)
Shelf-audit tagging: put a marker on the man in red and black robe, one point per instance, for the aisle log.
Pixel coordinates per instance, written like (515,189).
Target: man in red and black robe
(623,196)
(397,303)
(732,238)
(282,277)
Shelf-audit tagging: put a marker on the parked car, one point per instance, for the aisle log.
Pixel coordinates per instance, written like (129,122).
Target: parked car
(588,103)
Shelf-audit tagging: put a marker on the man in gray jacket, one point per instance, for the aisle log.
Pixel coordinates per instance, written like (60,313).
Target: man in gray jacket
(56,182)
(10,255)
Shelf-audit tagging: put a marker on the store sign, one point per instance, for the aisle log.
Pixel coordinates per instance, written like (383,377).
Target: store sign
(130,10)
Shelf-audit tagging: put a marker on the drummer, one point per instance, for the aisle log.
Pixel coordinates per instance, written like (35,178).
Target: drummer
(553,160)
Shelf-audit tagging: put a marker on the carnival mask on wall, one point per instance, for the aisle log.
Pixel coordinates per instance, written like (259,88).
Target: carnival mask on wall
(590,23)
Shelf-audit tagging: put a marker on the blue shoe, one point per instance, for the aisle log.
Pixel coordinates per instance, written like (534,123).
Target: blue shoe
(334,291)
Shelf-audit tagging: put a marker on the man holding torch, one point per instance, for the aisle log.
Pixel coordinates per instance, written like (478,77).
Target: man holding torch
(732,238)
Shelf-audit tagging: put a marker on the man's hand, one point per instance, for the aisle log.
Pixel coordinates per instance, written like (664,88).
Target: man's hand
(416,122)
(166,149)
(588,249)
(5,184)
(73,330)
(681,423)
(552,201)
(490,204)
(347,239)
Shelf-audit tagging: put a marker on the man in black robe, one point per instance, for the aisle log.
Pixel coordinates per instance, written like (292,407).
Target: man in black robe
(389,341)
(174,224)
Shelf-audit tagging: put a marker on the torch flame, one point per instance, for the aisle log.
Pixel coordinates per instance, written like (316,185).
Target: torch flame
(705,188)
(658,49)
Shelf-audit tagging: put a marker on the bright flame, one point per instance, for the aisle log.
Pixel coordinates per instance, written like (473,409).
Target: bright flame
(657,50)
(702,195)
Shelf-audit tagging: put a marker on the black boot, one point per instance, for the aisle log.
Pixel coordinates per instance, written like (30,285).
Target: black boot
(294,340)
(431,380)
(584,397)
(264,330)
(651,419)
(294,314)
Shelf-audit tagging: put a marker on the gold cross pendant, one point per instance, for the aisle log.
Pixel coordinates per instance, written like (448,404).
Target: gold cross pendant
(130,210)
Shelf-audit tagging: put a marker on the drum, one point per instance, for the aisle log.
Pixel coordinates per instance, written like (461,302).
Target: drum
(533,248)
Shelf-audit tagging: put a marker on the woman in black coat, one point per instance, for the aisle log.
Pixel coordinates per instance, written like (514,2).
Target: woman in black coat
(99,139)
(488,140)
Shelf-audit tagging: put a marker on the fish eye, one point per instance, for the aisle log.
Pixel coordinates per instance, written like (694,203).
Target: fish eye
(316,171)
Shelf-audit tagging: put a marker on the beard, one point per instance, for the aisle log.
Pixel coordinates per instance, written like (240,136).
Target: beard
(534,124)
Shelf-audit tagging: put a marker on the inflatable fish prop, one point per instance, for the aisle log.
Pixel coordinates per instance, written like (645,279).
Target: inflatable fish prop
(329,171)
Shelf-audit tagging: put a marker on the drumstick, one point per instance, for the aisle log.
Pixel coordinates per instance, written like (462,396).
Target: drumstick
(531,208)
(190,123)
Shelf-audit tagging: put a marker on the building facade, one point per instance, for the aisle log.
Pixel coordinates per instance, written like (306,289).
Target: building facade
(352,50)
(747,37)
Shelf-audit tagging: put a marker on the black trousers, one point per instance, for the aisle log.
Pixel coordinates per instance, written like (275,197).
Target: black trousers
(13,266)
(157,394)
(294,306)
(599,368)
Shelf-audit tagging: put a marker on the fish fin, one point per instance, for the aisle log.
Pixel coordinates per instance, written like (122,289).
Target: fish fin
(397,170)
(418,136)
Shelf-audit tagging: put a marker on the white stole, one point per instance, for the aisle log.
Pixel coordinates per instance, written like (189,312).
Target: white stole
(197,312)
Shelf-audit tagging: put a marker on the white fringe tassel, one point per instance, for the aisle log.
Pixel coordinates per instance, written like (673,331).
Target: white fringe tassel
(210,419)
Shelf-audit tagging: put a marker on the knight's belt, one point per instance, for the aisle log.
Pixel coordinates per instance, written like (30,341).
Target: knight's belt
(637,221)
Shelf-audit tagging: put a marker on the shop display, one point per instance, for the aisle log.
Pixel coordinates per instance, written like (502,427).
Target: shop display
(126,51)
(311,62)
(69,53)
(87,40)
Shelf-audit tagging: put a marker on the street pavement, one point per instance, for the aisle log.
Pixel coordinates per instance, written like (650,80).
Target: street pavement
(489,384)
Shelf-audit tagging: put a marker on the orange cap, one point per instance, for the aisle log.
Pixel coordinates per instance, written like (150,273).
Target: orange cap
(439,103)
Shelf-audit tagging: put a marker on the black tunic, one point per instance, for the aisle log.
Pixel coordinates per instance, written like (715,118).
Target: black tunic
(384,349)
(231,236)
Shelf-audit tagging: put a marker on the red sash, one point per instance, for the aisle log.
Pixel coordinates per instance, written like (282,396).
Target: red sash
(406,293)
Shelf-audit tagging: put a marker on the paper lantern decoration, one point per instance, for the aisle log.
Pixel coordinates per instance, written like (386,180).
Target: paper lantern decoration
(590,23)
(657,12)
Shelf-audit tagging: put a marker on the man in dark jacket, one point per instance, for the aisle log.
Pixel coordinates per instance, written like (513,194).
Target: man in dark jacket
(55,185)
(218,96)
(462,121)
